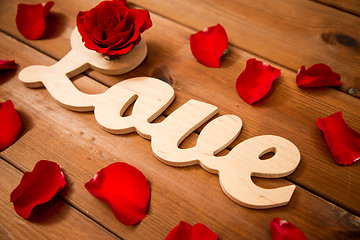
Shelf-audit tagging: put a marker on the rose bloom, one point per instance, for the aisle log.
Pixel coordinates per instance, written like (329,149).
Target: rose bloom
(111,28)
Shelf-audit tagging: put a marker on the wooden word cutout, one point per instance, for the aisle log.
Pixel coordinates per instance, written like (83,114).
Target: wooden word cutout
(152,96)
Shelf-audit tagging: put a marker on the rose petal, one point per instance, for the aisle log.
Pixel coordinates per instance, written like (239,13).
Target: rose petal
(125,189)
(30,19)
(10,124)
(141,19)
(37,187)
(5,65)
(284,230)
(318,75)
(122,1)
(344,142)
(208,45)
(184,231)
(255,80)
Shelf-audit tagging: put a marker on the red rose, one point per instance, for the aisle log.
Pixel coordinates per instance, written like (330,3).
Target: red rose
(111,28)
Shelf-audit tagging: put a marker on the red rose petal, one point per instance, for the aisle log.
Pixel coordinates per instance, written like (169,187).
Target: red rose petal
(284,230)
(143,19)
(10,124)
(318,75)
(184,231)
(37,187)
(208,45)
(344,142)
(5,65)
(30,19)
(255,81)
(125,189)
(122,1)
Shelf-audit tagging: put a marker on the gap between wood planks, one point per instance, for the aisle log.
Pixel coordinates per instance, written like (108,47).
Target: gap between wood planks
(61,198)
(25,43)
(355,12)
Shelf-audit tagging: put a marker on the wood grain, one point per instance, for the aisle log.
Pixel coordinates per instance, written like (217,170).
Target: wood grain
(53,220)
(290,33)
(352,6)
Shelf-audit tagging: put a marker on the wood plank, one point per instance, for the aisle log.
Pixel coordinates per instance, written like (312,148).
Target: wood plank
(81,148)
(53,220)
(290,33)
(280,109)
(352,6)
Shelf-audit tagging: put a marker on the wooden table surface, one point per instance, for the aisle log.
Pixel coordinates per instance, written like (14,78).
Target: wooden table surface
(285,34)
